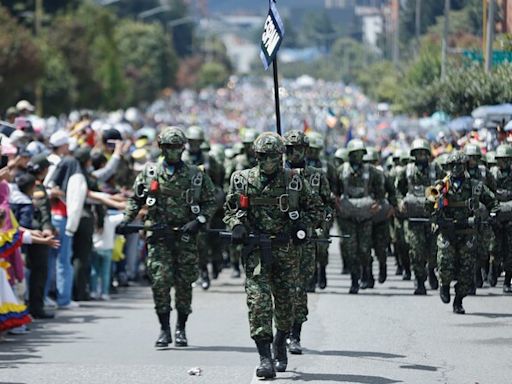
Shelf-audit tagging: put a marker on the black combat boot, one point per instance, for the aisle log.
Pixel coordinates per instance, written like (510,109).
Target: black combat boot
(506,284)
(371,279)
(266,368)
(485,277)
(205,278)
(311,287)
(457,305)
(432,279)
(472,289)
(165,330)
(294,342)
(364,278)
(180,335)
(399,267)
(216,269)
(383,272)
(322,277)
(354,288)
(279,347)
(444,293)
(479,281)
(407,273)
(493,274)
(420,287)
(236,270)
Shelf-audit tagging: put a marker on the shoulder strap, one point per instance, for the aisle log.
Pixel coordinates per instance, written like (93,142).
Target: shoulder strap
(196,183)
(293,182)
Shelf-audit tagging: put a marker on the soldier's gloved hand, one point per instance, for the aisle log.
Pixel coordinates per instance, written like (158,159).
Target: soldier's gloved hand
(239,234)
(191,228)
(299,234)
(122,228)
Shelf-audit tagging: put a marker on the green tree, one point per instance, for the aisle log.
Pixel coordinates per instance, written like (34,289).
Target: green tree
(212,74)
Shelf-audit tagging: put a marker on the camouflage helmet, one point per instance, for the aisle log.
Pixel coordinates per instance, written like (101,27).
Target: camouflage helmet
(420,144)
(503,150)
(195,132)
(442,159)
(217,152)
(295,138)
(269,142)
(249,136)
(371,155)
(355,145)
(404,155)
(341,154)
(457,157)
(172,135)
(316,140)
(472,150)
(205,146)
(238,148)
(490,158)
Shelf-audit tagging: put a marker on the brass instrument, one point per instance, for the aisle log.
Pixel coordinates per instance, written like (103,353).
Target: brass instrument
(433,192)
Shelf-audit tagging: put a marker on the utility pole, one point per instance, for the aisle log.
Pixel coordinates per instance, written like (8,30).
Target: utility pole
(489,36)
(446,30)
(418,27)
(38,22)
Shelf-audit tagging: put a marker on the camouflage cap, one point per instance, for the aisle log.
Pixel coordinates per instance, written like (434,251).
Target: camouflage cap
(269,142)
(355,145)
(172,135)
(457,157)
(249,136)
(420,144)
(295,138)
(195,132)
(316,140)
(503,151)
(472,150)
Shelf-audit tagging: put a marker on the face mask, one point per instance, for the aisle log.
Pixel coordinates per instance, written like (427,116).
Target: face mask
(295,155)
(356,159)
(269,164)
(172,155)
(458,170)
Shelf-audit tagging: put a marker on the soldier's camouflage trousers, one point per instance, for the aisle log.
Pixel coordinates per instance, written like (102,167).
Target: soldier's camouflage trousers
(172,264)
(485,238)
(456,259)
(358,247)
(380,240)
(263,283)
(344,257)
(502,247)
(401,246)
(422,247)
(305,272)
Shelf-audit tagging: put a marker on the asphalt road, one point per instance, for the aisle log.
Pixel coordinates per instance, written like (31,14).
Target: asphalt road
(381,336)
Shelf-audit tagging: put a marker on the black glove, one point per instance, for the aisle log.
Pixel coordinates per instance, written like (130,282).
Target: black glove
(121,229)
(299,234)
(239,234)
(191,228)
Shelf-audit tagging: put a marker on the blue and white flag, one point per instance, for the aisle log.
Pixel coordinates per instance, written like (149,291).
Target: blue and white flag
(272,36)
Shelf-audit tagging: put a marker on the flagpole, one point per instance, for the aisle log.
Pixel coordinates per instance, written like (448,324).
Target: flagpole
(276,96)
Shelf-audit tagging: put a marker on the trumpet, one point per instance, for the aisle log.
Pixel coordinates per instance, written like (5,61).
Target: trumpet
(433,192)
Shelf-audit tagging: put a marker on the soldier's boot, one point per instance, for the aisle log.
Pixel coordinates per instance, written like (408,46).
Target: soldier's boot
(322,277)
(279,347)
(311,284)
(407,273)
(205,278)
(493,274)
(294,341)
(457,305)
(420,287)
(216,269)
(345,270)
(371,279)
(432,279)
(506,284)
(444,294)
(165,330)
(364,278)
(266,368)
(180,335)
(236,270)
(472,289)
(479,281)
(383,272)
(354,288)
(485,277)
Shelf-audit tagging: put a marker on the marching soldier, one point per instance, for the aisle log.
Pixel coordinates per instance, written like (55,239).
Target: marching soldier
(180,198)
(340,157)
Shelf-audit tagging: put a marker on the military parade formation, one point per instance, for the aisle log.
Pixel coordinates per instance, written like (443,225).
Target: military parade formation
(267,207)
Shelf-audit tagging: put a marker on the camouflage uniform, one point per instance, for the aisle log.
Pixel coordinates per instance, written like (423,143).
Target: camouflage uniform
(502,249)
(175,194)
(340,157)
(272,201)
(454,214)
(411,185)
(359,187)
(296,143)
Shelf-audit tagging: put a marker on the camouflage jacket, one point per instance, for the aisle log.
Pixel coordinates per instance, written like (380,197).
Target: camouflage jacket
(270,206)
(503,184)
(366,181)
(173,196)
(484,175)
(413,179)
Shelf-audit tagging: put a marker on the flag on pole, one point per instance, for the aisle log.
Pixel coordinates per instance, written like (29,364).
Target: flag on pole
(272,36)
